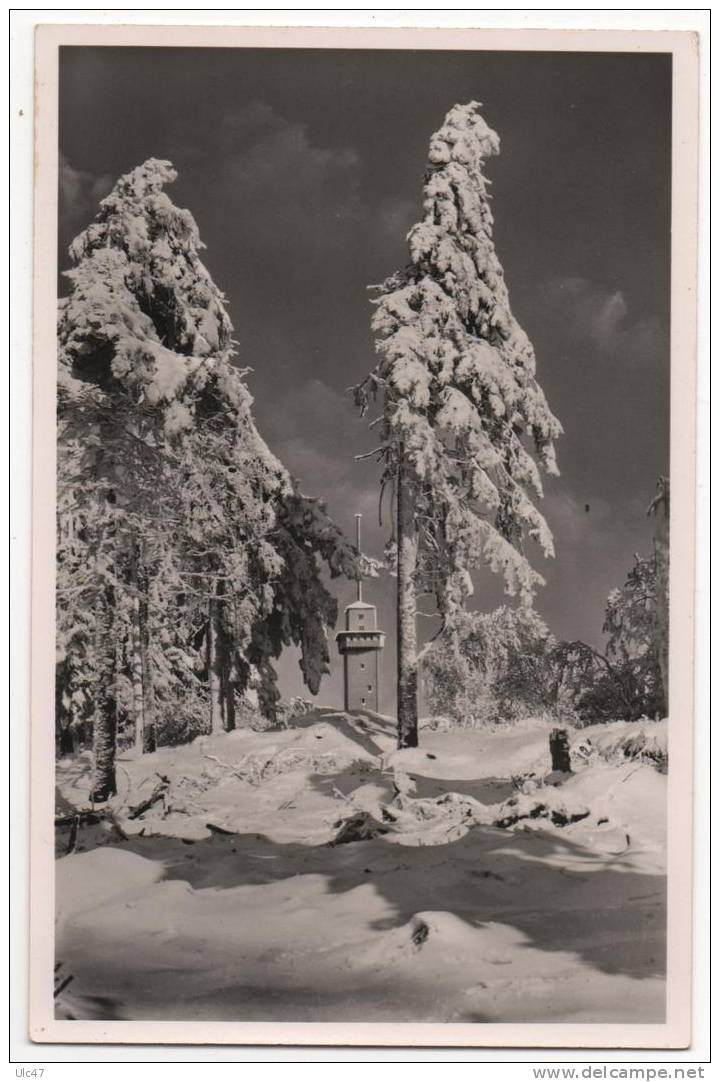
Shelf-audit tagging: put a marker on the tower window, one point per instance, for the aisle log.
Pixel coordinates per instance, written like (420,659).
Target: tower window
(362,701)
(362,665)
(369,687)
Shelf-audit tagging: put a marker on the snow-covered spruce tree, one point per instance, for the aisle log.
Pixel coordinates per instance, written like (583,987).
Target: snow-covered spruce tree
(180,505)
(461,407)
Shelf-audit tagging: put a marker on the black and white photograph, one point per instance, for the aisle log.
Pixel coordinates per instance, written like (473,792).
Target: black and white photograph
(362,562)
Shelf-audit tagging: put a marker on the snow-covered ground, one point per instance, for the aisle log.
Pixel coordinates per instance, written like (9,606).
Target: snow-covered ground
(226,900)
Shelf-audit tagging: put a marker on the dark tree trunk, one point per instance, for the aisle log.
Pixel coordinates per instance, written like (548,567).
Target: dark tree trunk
(223,650)
(407,662)
(149,737)
(104,784)
(228,694)
(67,744)
(136,661)
(560,751)
(213,668)
(105,722)
(63,717)
(219,665)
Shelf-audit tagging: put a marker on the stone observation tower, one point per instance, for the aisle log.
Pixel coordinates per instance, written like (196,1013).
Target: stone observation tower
(360,645)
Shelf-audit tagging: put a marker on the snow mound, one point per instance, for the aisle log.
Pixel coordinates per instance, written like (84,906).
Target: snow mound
(544,804)
(640,741)
(630,797)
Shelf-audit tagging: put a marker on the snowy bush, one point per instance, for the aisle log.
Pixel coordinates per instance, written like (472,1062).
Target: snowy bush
(644,741)
(490,668)
(182,719)
(626,680)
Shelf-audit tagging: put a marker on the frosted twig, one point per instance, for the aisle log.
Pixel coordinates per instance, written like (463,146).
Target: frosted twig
(369,454)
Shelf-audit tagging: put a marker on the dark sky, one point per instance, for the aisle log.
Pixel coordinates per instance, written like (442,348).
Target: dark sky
(303,169)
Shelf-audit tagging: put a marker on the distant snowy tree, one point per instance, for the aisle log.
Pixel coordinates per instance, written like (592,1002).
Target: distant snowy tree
(629,679)
(193,549)
(461,408)
(634,646)
(637,616)
(490,667)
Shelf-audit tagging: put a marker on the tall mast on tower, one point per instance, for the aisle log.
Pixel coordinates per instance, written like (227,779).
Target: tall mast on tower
(358,517)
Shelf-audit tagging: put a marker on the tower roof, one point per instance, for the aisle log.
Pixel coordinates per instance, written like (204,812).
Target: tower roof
(359,605)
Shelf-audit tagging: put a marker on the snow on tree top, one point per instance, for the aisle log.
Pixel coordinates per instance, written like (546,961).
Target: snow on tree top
(463,138)
(161,243)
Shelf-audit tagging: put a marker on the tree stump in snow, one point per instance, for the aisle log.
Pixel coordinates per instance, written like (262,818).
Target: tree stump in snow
(560,751)
(148,739)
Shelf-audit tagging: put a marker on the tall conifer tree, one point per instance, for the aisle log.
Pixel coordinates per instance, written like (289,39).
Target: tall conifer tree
(194,550)
(462,411)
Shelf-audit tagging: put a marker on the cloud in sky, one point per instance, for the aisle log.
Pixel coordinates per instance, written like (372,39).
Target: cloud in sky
(79,194)
(271,168)
(289,195)
(281,191)
(316,431)
(591,313)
